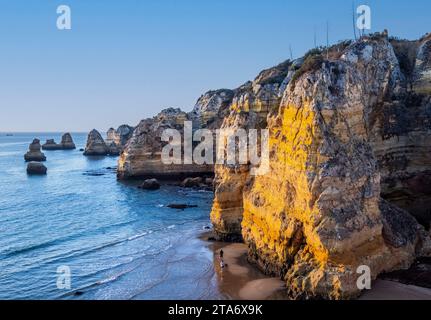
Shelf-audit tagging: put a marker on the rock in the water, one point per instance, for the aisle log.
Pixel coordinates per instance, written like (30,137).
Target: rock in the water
(96,146)
(181,206)
(51,145)
(150,184)
(192,182)
(142,154)
(34,153)
(113,149)
(111,136)
(36,168)
(117,139)
(67,142)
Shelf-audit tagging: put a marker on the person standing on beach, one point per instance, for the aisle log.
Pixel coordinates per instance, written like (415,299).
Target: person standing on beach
(221,253)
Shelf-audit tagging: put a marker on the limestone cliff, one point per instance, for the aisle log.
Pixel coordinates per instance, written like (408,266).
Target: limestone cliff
(249,109)
(141,157)
(348,127)
(400,125)
(349,181)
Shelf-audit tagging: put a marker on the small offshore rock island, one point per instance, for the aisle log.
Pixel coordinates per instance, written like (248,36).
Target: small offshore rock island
(350,163)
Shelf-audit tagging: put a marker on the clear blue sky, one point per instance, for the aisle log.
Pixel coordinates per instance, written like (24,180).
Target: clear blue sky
(125,60)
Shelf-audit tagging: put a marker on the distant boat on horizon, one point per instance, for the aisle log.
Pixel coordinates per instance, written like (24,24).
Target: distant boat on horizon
(9,135)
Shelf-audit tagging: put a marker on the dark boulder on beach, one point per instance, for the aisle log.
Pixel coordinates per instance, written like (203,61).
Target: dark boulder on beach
(34,153)
(36,168)
(150,184)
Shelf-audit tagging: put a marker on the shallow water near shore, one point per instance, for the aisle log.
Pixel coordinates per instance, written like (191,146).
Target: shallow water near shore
(120,242)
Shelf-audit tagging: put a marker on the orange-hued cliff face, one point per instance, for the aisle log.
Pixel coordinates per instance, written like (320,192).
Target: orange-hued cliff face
(318,214)
(349,179)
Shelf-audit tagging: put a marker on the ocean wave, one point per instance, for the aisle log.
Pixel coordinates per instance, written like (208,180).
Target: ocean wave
(6,144)
(8,153)
(137,236)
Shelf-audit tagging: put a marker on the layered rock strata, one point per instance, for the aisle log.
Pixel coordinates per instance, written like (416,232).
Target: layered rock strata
(348,184)
(142,156)
(249,108)
(34,153)
(347,129)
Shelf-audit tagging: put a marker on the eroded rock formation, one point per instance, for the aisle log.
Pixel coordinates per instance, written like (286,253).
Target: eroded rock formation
(96,146)
(117,139)
(349,163)
(36,168)
(346,127)
(249,109)
(141,157)
(67,142)
(34,153)
(50,144)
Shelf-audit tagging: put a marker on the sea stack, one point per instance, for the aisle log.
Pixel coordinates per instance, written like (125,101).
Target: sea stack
(124,133)
(116,139)
(34,153)
(36,168)
(96,146)
(51,145)
(67,142)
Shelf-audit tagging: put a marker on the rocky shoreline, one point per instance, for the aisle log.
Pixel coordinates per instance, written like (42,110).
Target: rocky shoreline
(349,180)
(349,140)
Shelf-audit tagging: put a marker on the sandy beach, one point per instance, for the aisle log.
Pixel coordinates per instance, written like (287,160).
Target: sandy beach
(243,281)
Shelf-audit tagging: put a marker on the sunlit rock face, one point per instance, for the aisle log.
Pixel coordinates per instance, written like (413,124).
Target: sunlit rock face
(335,126)
(141,157)
(249,109)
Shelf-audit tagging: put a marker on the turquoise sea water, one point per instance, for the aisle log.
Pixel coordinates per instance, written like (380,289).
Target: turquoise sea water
(119,242)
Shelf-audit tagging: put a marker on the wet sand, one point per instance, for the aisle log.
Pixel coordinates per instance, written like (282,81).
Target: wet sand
(243,281)
(239,279)
(391,290)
